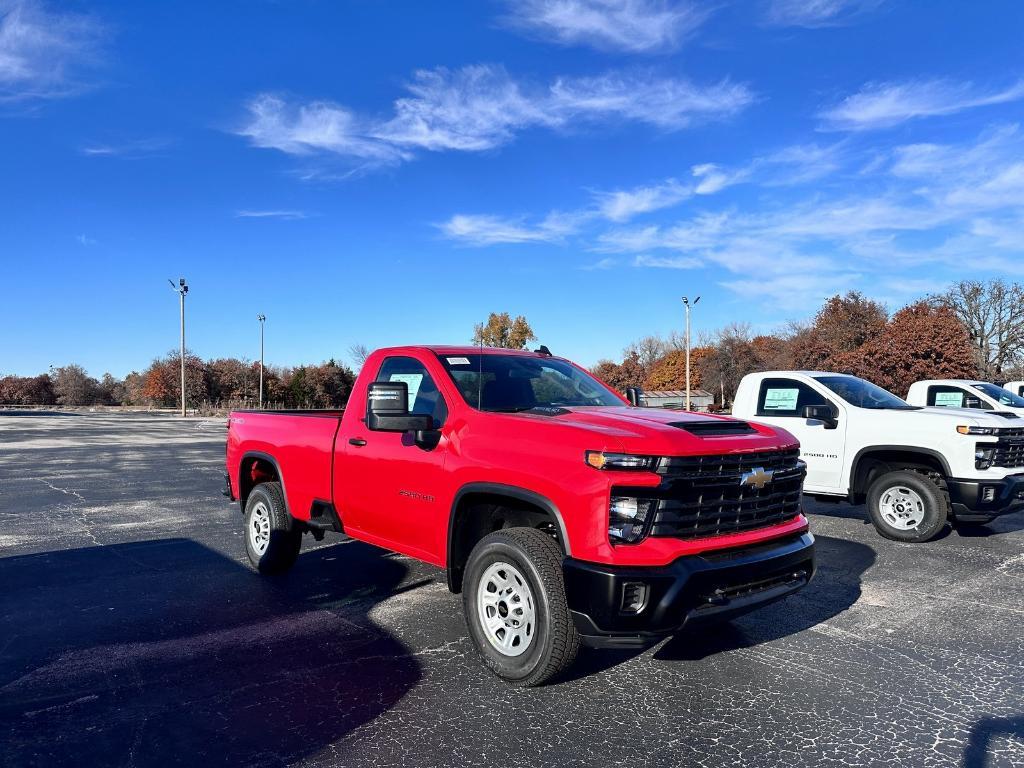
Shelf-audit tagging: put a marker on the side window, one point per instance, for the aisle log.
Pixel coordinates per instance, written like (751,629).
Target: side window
(424,396)
(947,396)
(786,397)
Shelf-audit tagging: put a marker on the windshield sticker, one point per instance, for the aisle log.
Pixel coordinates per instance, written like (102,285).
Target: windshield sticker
(457,360)
(949,399)
(780,399)
(412,381)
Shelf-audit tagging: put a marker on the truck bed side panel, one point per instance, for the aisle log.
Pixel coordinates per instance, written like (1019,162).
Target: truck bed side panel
(301,445)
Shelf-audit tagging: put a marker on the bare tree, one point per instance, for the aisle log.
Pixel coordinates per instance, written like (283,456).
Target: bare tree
(648,351)
(73,386)
(993,314)
(358,353)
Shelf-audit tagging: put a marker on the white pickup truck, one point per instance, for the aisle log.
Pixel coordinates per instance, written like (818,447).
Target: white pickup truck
(916,468)
(965,393)
(1016,387)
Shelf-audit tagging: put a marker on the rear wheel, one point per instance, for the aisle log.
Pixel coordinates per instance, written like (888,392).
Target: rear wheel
(516,609)
(907,506)
(271,541)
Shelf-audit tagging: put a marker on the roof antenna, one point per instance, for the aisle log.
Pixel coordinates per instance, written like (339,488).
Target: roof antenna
(480,376)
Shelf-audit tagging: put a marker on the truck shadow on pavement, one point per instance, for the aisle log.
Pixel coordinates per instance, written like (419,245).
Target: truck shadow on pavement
(986,735)
(166,652)
(836,586)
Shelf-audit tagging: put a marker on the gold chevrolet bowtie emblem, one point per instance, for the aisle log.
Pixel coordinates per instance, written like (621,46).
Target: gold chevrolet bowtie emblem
(758,477)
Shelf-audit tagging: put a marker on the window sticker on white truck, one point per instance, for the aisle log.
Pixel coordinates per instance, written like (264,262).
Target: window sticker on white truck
(780,399)
(412,381)
(949,399)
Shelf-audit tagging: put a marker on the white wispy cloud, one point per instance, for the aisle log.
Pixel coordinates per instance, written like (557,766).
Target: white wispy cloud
(85,240)
(485,229)
(128,149)
(667,262)
(622,205)
(883,105)
(816,13)
(637,26)
(481,107)
(44,53)
(666,102)
(271,214)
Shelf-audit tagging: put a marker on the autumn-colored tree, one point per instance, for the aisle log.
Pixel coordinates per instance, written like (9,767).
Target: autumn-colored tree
(620,377)
(27,390)
(842,325)
(669,372)
(921,341)
(501,330)
(163,381)
(319,386)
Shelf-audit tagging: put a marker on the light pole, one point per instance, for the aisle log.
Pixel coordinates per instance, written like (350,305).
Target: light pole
(686,303)
(262,319)
(182,289)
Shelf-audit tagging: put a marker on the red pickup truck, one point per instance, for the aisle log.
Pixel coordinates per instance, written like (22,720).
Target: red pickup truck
(563,513)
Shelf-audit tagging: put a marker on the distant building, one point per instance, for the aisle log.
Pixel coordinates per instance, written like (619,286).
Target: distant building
(676,398)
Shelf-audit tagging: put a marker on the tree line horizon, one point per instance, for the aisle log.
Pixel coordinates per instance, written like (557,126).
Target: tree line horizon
(973,330)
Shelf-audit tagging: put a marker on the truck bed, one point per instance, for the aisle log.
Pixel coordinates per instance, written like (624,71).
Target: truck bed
(299,442)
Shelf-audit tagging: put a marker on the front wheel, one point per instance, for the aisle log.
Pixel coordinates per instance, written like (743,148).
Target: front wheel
(271,541)
(907,506)
(516,609)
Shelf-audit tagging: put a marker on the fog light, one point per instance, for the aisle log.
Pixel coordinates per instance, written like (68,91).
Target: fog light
(634,597)
(988,494)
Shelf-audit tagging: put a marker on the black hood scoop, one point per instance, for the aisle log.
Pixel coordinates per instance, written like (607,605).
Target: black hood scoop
(715,428)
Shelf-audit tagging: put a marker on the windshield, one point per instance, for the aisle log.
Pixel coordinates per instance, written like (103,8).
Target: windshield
(510,383)
(864,394)
(1003,396)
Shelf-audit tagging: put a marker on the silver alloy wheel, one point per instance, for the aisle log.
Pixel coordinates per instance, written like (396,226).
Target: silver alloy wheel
(259,528)
(901,507)
(505,605)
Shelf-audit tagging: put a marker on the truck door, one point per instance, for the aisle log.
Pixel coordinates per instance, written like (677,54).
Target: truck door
(780,401)
(954,396)
(385,484)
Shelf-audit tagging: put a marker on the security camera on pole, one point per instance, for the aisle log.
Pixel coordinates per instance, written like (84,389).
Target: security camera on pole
(686,303)
(182,289)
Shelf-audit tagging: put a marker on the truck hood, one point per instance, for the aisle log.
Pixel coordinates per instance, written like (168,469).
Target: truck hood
(974,416)
(653,431)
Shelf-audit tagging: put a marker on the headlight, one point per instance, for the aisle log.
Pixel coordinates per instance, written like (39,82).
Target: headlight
(965,430)
(627,518)
(601,460)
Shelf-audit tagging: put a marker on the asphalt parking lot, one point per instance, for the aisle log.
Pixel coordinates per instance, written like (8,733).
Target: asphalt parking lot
(132,632)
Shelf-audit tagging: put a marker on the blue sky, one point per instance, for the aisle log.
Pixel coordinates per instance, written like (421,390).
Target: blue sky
(386,173)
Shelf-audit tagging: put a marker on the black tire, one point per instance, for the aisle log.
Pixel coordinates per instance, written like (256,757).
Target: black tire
(553,642)
(283,539)
(933,507)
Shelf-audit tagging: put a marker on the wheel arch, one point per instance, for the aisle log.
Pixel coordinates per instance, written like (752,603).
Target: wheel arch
(462,538)
(248,466)
(895,457)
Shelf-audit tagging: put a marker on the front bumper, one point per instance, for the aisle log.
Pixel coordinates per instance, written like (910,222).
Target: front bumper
(983,500)
(693,589)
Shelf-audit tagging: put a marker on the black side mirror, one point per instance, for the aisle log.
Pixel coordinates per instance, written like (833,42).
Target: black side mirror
(826,414)
(387,409)
(633,394)
(973,402)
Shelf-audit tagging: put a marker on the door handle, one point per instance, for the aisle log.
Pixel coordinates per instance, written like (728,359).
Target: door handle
(358,442)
